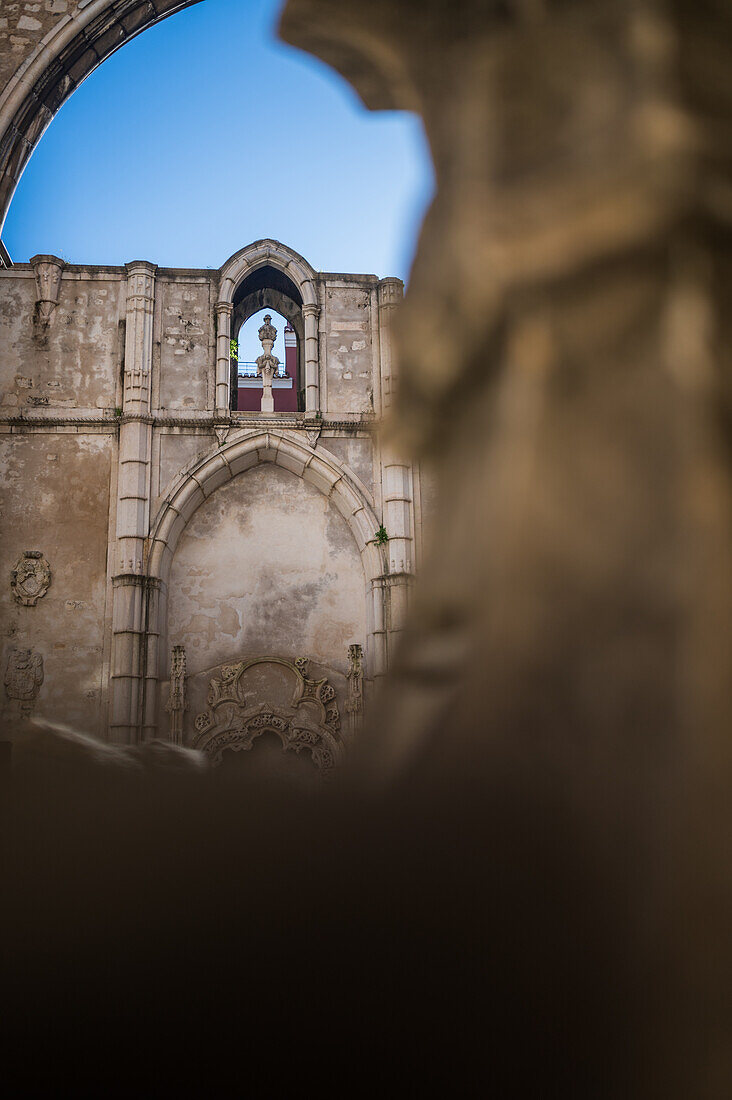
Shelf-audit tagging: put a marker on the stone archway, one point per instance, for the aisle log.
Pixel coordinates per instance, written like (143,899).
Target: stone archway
(298,272)
(243,452)
(62,47)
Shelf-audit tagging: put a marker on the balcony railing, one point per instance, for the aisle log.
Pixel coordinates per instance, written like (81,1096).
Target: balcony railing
(249,370)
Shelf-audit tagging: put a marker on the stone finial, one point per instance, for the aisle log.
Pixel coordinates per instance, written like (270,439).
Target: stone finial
(267,334)
(47,271)
(267,363)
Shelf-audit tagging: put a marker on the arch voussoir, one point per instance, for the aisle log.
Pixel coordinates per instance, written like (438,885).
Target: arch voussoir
(321,470)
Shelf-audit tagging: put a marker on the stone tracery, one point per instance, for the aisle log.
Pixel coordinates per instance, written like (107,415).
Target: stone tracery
(308,720)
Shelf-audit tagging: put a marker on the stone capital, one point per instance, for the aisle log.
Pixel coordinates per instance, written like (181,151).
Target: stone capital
(224,309)
(390,291)
(310,310)
(141,267)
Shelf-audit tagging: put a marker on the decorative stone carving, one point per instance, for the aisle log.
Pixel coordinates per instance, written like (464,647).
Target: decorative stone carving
(312,435)
(23,677)
(267,364)
(47,271)
(354,700)
(267,334)
(302,712)
(30,578)
(177,703)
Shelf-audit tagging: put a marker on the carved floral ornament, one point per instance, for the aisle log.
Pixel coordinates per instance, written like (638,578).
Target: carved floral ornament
(303,712)
(30,578)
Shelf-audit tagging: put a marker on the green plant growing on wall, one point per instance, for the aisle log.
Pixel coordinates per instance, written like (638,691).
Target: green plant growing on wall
(117,411)
(381,536)
(233,349)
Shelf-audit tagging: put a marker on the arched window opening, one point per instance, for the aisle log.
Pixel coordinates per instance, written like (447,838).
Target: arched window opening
(246,380)
(267,291)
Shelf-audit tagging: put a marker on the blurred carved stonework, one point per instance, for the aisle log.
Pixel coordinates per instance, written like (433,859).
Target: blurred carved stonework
(564,356)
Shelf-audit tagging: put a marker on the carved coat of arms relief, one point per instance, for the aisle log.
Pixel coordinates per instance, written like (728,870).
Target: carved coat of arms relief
(30,578)
(23,676)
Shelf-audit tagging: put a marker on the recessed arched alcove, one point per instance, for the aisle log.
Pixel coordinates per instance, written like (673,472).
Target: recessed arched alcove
(268,287)
(266,565)
(269,273)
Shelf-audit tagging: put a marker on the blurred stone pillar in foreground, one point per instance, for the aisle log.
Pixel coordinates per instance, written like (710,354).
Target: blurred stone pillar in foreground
(564,363)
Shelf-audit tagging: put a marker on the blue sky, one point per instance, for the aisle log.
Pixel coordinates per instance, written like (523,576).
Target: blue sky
(205,133)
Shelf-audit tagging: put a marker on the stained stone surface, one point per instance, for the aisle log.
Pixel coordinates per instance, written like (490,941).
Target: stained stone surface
(267,566)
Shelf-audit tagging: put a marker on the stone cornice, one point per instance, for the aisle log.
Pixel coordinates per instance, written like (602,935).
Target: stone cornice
(279,421)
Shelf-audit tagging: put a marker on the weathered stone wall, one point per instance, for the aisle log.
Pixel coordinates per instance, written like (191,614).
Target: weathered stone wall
(109,386)
(184,340)
(74,361)
(54,498)
(347,333)
(266,567)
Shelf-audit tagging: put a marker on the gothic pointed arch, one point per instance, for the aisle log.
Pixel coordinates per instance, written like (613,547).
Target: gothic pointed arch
(320,469)
(269,266)
(268,253)
(243,452)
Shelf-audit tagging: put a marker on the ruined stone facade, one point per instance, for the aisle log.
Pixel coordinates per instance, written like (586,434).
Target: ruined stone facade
(156,540)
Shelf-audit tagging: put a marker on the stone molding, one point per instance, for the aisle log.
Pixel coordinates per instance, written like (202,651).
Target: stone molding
(291,422)
(272,253)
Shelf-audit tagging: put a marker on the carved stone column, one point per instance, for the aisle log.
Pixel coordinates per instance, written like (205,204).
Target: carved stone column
(129,613)
(378,650)
(390,293)
(177,703)
(310,314)
(396,477)
(223,356)
(354,701)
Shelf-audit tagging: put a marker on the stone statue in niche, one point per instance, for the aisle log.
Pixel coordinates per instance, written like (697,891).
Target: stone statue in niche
(30,578)
(267,363)
(23,677)
(177,703)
